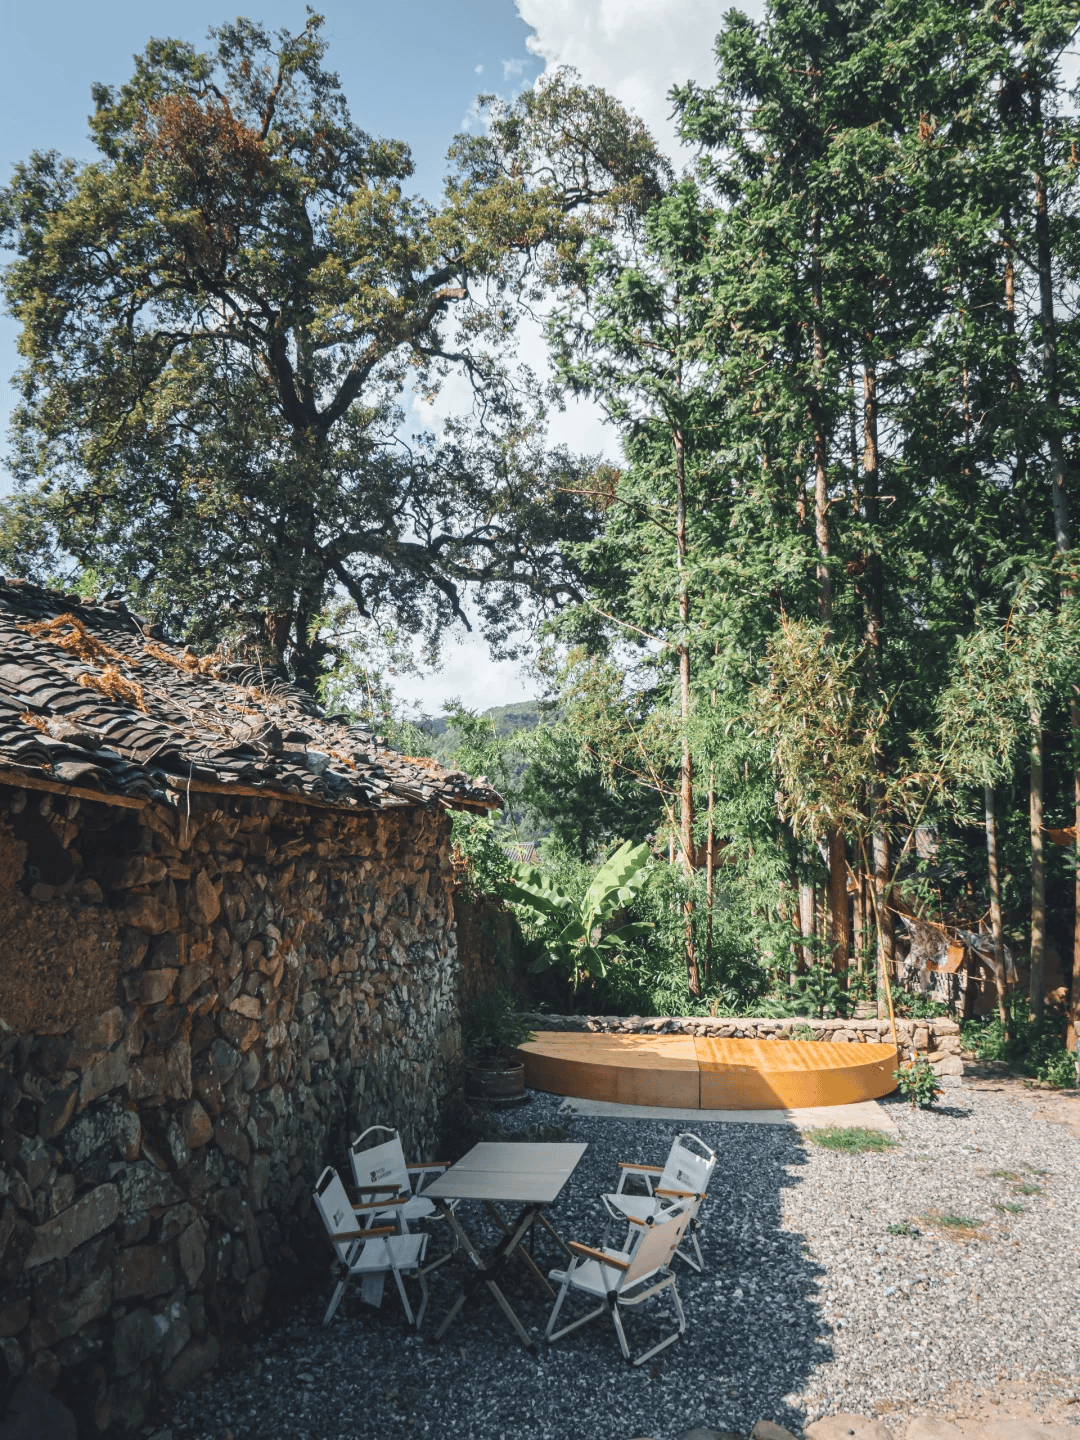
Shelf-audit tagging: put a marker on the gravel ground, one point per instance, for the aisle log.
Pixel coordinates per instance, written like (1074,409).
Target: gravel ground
(809,1304)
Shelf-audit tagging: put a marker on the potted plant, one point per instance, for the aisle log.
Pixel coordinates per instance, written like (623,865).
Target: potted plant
(493,1029)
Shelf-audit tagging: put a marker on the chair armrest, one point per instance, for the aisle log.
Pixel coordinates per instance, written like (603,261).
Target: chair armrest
(592,1254)
(361,1234)
(430,1165)
(680,1194)
(649,1169)
(381,1204)
(377,1189)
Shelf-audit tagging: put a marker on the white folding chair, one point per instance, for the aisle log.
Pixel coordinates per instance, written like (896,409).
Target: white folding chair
(371,1252)
(684,1177)
(380,1170)
(620,1278)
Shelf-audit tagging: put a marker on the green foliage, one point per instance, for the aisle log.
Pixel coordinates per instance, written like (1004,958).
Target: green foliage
(817,991)
(918,1082)
(572,930)
(495,1025)
(1008,1207)
(1035,1048)
(903,1227)
(949,1221)
(918,1006)
(480,853)
(852,1139)
(224,318)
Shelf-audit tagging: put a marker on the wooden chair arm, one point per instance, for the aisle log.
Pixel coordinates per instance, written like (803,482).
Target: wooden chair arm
(382,1204)
(362,1234)
(680,1194)
(377,1189)
(431,1165)
(592,1254)
(651,1169)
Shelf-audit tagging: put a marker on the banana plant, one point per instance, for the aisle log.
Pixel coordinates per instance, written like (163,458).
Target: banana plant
(575,936)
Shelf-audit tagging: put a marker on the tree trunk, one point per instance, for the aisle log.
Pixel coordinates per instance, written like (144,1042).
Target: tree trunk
(1073,1035)
(885,946)
(710,871)
(686,777)
(806,922)
(1038,870)
(995,904)
(839,917)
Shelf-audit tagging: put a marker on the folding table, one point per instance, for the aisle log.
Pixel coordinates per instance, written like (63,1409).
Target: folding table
(531,1176)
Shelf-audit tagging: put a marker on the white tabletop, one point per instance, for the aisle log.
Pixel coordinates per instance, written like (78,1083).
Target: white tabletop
(528,1174)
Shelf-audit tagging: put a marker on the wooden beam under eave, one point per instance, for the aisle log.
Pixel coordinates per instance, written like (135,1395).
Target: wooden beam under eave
(81,792)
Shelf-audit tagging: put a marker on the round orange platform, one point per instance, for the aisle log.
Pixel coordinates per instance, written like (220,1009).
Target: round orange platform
(690,1073)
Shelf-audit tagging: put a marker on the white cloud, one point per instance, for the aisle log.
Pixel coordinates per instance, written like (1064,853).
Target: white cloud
(479,70)
(636,49)
(513,69)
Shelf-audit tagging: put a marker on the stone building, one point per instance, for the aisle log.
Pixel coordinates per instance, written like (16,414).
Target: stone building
(227,944)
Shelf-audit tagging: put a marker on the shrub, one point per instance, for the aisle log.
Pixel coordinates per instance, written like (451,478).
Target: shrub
(1031,1048)
(918,1082)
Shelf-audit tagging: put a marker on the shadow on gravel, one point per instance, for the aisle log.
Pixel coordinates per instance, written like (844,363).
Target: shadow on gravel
(754,1334)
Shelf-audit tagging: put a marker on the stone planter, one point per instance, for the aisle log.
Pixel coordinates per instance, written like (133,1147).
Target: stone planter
(498,1081)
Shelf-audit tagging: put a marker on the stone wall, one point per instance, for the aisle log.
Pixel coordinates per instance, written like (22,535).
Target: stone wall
(199,1007)
(939,1040)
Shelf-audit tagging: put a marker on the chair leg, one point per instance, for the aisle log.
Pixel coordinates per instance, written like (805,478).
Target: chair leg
(335,1300)
(558,1304)
(619,1331)
(576,1325)
(670,1340)
(422,1277)
(401,1292)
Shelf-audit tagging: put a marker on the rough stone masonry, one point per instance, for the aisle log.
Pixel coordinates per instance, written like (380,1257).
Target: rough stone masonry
(223,992)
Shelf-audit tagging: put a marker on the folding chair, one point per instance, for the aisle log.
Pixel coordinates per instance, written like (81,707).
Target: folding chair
(370,1252)
(620,1278)
(381,1170)
(684,1176)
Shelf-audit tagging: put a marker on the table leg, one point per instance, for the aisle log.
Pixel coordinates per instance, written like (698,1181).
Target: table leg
(554,1233)
(486,1274)
(522,1253)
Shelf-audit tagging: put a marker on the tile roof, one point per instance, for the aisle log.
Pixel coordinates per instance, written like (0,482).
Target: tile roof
(93,698)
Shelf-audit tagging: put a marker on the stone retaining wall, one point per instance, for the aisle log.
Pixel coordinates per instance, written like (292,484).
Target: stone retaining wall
(938,1040)
(200,1007)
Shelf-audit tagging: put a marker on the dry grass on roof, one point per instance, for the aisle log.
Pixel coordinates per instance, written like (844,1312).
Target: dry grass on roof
(182,660)
(118,687)
(69,633)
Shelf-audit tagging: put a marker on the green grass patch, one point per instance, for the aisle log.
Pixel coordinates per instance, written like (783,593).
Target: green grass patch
(955,1224)
(1029,1189)
(1032,1171)
(904,1227)
(1009,1208)
(852,1139)
(1003,1175)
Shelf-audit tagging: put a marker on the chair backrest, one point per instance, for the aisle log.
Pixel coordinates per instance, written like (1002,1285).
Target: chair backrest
(382,1164)
(685,1170)
(657,1246)
(335,1208)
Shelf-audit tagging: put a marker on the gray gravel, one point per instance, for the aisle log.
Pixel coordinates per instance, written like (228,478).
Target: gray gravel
(809,1305)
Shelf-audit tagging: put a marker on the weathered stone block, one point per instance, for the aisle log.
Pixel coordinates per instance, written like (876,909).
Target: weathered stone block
(142,1272)
(191,1364)
(146,912)
(246,1005)
(89,1215)
(96,1035)
(191,1253)
(232,1140)
(109,1127)
(149,987)
(105,1075)
(57,1110)
(204,904)
(143,1187)
(197,1125)
(134,1340)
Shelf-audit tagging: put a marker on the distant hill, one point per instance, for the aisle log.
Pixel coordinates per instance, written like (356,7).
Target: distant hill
(522,715)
